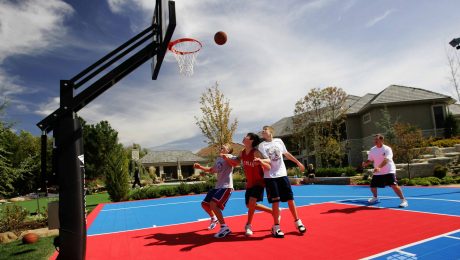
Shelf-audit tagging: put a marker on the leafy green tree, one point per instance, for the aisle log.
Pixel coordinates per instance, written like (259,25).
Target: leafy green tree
(99,140)
(117,178)
(215,123)
(317,121)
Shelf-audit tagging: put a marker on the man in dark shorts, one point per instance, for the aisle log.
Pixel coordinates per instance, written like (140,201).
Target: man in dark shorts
(277,183)
(250,159)
(381,156)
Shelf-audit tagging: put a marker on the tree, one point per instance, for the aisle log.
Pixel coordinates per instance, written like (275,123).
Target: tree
(98,140)
(387,125)
(117,178)
(318,118)
(215,121)
(450,126)
(408,145)
(453,60)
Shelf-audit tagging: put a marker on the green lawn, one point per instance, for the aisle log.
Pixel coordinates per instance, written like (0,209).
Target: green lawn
(43,249)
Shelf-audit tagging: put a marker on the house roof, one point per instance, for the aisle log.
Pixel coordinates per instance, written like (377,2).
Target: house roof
(360,103)
(170,157)
(391,95)
(283,127)
(214,150)
(397,94)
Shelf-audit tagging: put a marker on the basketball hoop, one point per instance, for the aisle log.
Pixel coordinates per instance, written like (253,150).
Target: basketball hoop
(185,50)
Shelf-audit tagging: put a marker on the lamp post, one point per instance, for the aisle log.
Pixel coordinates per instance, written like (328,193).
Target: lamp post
(455,43)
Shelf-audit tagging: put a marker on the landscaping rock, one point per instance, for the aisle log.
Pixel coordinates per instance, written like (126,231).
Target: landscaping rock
(7,237)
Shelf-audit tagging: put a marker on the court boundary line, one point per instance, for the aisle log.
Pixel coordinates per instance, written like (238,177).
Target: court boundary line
(399,209)
(409,245)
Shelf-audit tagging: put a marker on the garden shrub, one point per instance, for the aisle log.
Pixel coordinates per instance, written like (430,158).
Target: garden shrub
(12,218)
(445,142)
(440,171)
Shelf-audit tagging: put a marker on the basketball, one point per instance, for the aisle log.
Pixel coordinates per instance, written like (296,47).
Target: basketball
(220,38)
(29,238)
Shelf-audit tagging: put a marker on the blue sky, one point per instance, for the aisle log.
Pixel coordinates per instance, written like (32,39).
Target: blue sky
(276,52)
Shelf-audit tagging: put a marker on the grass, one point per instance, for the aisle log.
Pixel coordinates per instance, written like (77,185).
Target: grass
(91,202)
(43,249)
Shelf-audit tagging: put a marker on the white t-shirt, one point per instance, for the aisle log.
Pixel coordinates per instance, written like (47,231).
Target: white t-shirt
(274,150)
(377,155)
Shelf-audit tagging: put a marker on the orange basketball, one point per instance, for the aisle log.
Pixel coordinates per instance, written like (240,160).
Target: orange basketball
(220,38)
(30,238)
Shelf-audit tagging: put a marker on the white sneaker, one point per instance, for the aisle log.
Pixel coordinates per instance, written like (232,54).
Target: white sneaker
(248,230)
(404,203)
(224,230)
(213,224)
(300,226)
(373,200)
(276,231)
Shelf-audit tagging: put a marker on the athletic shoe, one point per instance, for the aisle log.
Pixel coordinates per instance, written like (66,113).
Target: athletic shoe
(276,231)
(248,230)
(373,200)
(224,230)
(213,224)
(300,226)
(404,203)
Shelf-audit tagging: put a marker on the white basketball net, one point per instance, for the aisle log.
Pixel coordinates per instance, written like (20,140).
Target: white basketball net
(185,50)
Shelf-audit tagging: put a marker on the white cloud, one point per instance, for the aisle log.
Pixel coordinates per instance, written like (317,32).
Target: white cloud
(29,27)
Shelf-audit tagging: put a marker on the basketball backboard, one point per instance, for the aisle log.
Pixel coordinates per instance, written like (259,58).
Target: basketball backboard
(164,23)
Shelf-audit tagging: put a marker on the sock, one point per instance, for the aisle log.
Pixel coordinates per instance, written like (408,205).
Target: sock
(213,218)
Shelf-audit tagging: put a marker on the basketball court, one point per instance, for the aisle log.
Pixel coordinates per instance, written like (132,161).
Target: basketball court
(339,224)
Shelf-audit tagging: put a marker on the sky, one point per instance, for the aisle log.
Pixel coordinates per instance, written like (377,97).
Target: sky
(276,52)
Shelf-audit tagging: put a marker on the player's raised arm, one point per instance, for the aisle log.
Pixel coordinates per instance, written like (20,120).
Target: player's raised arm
(231,159)
(293,159)
(205,169)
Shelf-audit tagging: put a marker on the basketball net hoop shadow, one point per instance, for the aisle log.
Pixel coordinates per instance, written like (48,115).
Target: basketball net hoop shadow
(185,50)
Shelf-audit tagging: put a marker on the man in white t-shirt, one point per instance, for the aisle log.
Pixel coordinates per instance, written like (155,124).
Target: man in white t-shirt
(381,157)
(276,181)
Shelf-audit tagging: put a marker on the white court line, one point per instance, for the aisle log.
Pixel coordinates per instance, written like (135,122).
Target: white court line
(400,209)
(409,245)
(453,237)
(163,204)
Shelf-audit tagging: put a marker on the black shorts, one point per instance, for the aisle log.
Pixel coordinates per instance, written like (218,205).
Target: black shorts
(278,189)
(254,192)
(380,181)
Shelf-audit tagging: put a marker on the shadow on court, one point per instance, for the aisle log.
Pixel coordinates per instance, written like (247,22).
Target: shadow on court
(350,210)
(194,239)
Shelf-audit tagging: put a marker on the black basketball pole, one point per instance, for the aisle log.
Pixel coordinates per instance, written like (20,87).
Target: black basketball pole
(68,160)
(72,218)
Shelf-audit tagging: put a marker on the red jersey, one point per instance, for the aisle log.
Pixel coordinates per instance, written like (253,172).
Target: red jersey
(254,173)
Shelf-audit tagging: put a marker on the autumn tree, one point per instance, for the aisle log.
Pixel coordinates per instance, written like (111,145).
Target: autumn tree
(408,145)
(215,123)
(317,122)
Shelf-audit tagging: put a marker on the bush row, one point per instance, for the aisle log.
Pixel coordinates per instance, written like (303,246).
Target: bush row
(445,142)
(152,192)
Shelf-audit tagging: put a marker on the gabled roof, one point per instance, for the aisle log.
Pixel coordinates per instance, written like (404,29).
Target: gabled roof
(359,104)
(397,94)
(213,150)
(170,157)
(283,127)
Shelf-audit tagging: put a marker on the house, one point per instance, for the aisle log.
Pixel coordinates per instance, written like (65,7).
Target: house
(212,151)
(424,109)
(172,164)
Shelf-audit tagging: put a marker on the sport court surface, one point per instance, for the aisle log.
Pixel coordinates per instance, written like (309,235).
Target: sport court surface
(339,224)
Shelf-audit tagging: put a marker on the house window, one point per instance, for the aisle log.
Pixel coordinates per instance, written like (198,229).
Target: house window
(366,118)
(438,115)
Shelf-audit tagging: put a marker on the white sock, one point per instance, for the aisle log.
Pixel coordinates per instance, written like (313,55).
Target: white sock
(213,218)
